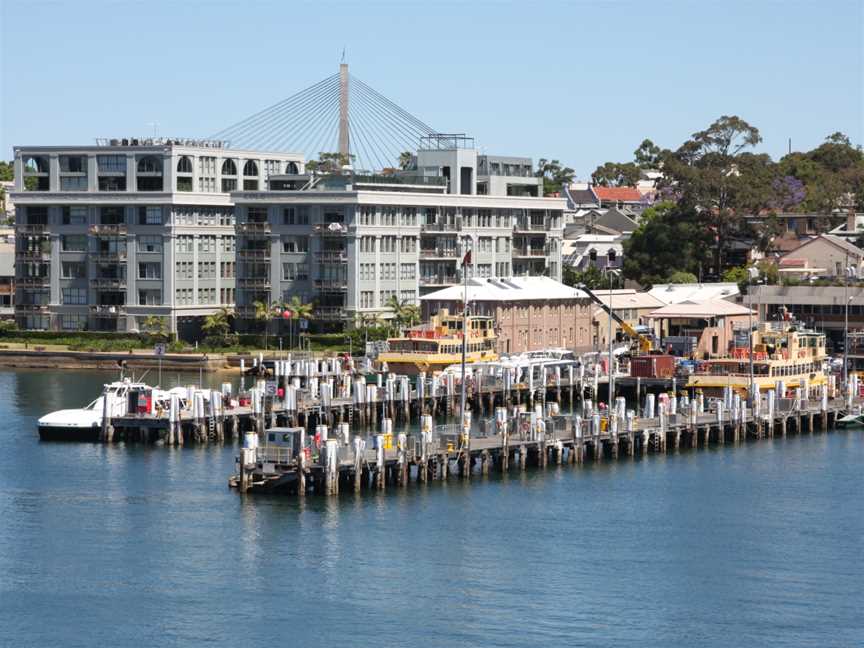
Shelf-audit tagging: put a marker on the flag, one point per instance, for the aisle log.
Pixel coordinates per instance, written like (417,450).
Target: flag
(466,259)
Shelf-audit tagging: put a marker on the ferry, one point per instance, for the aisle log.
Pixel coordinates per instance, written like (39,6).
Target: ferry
(85,423)
(782,351)
(433,347)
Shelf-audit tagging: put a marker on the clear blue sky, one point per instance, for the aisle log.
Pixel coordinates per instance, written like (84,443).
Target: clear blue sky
(583,82)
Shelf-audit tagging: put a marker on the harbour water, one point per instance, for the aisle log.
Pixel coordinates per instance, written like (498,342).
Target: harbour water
(761,544)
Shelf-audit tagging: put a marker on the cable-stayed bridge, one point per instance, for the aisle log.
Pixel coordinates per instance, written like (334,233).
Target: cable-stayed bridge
(338,114)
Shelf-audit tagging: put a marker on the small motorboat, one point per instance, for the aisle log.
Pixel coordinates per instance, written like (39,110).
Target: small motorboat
(850,420)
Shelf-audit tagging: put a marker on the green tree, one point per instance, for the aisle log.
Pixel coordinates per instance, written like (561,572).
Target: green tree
(832,174)
(330,162)
(155,324)
(648,155)
(591,277)
(616,174)
(682,277)
(406,158)
(218,325)
(7,171)
(554,175)
(669,238)
(264,313)
(404,312)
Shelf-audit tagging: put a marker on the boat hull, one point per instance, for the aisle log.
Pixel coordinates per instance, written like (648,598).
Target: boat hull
(89,434)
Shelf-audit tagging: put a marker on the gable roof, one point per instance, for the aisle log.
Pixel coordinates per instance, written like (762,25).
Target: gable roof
(837,241)
(624,194)
(506,289)
(616,221)
(581,197)
(678,293)
(702,309)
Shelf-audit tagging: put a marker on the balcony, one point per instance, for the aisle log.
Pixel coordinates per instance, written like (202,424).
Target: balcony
(33,282)
(331,229)
(115,283)
(331,285)
(253,282)
(529,252)
(32,308)
(108,230)
(34,255)
(330,313)
(439,253)
(442,227)
(35,228)
(527,226)
(439,280)
(333,256)
(109,257)
(254,228)
(108,312)
(253,253)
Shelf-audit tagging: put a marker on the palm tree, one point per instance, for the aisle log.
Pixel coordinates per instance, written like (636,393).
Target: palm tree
(218,324)
(155,324)
(299,311)
(263,313)
(404,312)
(411,314)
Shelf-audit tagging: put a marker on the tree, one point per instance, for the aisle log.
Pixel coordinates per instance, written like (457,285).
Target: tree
(682,277)
(156,324)
(554,175)
(648,155)
(263,313)
(330,162)
(7,171)
(218,325)
(406,159)
(616,174)
(669,238)
(591,277)
(404,312)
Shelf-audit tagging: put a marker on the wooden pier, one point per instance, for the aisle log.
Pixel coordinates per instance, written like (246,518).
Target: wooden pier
(334,461)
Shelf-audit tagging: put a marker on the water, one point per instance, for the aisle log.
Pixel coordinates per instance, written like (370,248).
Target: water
(114,545)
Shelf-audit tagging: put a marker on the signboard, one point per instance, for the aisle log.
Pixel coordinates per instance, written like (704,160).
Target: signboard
(270,388)
(304,324)
(376,347)
(159,349)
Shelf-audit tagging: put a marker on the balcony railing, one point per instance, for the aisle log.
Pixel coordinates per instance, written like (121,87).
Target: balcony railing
(33,281)
(32,308)
(331,229)
(331,285)
(254,228)
(441,227)
(34,255)
(526,226)
(109,282)
(33,228)
(439,253)
(253,282)
(336,256)
(109,257)
(253,253)
(108,312)
(329,313)
(108,230)
(529,252)
(438,280)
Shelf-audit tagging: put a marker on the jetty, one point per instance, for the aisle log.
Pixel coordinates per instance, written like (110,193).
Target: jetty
(290,460)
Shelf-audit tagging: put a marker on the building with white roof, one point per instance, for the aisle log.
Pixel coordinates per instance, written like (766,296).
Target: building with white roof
(694,292)
(707,325)
(531,313)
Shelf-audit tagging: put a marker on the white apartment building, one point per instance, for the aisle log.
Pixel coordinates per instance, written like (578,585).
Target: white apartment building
(107,235)
(349,242)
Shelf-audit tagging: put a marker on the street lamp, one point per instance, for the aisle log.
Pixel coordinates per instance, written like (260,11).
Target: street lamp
(851,272)
(752,275)
(610,259)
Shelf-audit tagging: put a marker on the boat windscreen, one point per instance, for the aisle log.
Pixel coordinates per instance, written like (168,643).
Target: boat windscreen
(92,405)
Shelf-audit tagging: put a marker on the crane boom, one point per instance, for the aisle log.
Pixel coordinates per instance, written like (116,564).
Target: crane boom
(645,344)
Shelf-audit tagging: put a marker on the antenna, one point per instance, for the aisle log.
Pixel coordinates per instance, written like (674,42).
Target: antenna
(155,126)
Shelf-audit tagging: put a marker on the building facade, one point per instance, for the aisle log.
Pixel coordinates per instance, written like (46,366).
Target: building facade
(350,242)
(530,313)
(112,234)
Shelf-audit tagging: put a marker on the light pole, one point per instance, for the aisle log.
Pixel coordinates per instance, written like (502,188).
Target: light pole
(850,272)
(752,274)
(610,258)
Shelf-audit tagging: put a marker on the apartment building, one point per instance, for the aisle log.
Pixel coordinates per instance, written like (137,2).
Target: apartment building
(108,235)
(350,241)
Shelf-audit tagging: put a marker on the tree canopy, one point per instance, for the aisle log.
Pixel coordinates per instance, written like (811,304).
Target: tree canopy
(615,174)
(554,175)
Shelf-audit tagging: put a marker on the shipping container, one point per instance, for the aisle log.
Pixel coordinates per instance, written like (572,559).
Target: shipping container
(652,366)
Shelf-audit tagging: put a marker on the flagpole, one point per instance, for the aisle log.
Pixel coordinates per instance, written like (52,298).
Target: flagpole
(465,262)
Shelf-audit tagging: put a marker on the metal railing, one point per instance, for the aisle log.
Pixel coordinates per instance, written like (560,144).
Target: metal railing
(109,282)
(529,252)
(32,228)
(33,281)
(331,284)
(108,230)
(438,280)
(525,226)
(441,227)
(253,281)
(253,253)
(329,313)
(254,228)
(332,255)
(441,253)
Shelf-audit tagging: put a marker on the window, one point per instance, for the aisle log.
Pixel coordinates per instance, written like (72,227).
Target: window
(74,296)
(407,271)
(291,168)
(367,299)
(484,244)
(288,216)
(385,295)
(206,243)
(73,270)
(367,271)
(407,296)
(367,243)
(229,168)
(388,243)
(484,269)
(289,271)
(150,164)
(183,296)
(295,244)
(37,215)
(185,243)
(149,270)
(149,297)
(36,164)
(227,243)
(206,174)
(149,177)
(408,244)
(226,295)
(149,215)
(256,214)
(150,243)
(73,243)
(184,165)
(229,185)
(111,216)
(207,270)
(184,183)
(73,322)
(227,269)
(250,169)
(111,164)
(206,295)
(112,183)
(73,183)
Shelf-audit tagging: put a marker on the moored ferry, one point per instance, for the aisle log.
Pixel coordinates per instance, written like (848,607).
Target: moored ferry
(782,351)
(434,346)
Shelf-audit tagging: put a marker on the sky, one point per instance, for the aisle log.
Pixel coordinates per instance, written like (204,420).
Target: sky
(581,82)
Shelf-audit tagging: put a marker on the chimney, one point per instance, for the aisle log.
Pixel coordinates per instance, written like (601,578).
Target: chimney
(851,225)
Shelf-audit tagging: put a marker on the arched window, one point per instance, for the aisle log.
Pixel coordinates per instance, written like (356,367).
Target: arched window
(150,164)
(184,165)
(229,168)
(36,164)
(250,169)
(291,168)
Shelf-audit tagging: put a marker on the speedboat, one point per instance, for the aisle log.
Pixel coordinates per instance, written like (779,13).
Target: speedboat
(851,420)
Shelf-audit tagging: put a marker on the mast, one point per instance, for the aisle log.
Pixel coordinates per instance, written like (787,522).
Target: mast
(464,344)
(344,142)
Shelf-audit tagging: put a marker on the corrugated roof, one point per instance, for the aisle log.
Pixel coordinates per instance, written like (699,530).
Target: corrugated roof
(508,289)
(677,293)
(625,194)
(703,309)
(628,299)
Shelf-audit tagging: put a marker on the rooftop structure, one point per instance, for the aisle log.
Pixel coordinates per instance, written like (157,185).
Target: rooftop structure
(698,292)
